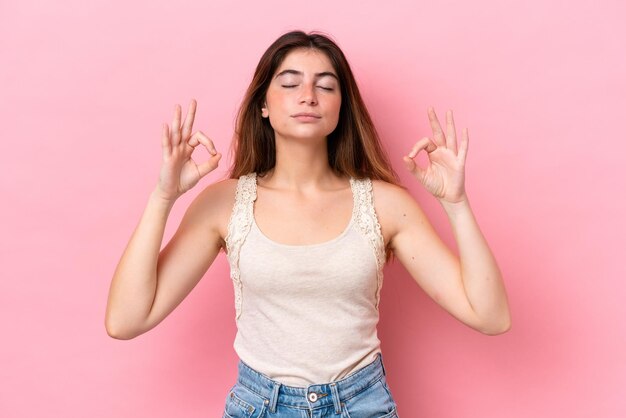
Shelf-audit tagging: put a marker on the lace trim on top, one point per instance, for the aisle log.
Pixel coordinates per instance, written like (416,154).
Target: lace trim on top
(370,227)
(238,227)
(242,217)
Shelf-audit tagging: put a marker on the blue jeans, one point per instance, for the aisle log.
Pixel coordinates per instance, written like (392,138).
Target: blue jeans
(362,394)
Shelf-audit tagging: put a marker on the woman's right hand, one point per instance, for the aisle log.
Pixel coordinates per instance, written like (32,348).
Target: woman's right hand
(179,172)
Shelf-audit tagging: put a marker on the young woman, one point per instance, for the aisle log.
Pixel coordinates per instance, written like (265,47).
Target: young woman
(310,214)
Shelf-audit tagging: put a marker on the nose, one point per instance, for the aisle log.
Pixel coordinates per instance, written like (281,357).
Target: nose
(308,95)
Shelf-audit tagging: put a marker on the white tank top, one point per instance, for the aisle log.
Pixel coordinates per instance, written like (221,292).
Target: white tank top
(306,314)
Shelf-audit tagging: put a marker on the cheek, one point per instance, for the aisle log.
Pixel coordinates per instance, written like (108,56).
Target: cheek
(336,108)
(269,101)
(273,99)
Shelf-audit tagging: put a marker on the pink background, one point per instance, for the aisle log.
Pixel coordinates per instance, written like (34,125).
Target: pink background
(540,85)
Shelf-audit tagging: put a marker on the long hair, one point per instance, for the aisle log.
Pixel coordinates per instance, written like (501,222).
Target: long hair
(354,146)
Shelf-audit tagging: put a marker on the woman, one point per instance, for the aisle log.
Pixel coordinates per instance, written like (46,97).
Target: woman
(309,215)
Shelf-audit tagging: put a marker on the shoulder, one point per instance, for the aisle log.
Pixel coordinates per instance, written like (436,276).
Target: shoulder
(386,190)
(390,197)
(218,195)
(212,207)
(395,208)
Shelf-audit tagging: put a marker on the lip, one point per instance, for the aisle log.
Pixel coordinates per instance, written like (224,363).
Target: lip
(305,115)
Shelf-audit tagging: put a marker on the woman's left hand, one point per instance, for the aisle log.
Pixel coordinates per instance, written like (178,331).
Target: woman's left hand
(445,175)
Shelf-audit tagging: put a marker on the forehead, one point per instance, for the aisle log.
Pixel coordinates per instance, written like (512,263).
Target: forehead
(306,60)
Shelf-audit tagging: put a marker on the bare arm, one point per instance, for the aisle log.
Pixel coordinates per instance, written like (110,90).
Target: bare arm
(481,276)
(134,282)
(470,287)
(148,285)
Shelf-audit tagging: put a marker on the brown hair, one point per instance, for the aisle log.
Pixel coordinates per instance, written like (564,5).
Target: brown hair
(354,146)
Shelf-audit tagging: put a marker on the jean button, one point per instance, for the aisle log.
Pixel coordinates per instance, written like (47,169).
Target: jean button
(312,396)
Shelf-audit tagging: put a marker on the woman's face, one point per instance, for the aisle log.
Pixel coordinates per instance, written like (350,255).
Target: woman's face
(304,97)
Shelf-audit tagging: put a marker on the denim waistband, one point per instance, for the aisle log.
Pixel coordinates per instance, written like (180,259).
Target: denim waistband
(313,396)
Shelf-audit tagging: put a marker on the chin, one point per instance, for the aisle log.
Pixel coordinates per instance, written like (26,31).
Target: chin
(304,134)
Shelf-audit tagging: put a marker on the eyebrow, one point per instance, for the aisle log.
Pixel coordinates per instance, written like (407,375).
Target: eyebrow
(318,75)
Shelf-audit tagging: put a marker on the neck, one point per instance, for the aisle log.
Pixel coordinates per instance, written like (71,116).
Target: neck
(301,163)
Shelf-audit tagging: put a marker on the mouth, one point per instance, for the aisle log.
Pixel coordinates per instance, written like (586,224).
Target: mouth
(304,115)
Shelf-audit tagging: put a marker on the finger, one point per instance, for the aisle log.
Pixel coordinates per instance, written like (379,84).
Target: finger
(412,166)
(424,143)
(210,165)
(464,145)
(165,140)
(200,137)
(436,127)
(176,126)
(191,114)
(451,134)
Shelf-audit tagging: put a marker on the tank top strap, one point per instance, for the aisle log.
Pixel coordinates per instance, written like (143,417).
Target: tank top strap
(238,227)
(367,223)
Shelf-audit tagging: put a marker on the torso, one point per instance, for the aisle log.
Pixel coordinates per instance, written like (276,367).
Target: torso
(299,219)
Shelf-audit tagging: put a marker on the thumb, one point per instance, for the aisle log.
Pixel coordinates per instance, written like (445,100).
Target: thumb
(210,165)
(412,166)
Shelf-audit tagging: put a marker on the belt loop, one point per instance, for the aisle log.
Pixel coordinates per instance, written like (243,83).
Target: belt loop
(336,400)
(274,396)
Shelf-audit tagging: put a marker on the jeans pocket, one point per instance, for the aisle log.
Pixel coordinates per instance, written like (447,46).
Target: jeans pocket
(383,381)
(243,403)
(392,414)
(374,401)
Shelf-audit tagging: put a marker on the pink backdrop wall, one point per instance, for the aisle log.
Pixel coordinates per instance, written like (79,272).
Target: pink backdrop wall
(85,87)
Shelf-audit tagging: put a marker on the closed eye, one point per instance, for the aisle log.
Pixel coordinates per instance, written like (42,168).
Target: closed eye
(289,86)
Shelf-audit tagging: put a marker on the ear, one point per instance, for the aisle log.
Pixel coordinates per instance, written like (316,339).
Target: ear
(264,112)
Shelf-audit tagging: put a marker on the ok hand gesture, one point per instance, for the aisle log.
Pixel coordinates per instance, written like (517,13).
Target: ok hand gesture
(179,172)
(445,175)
